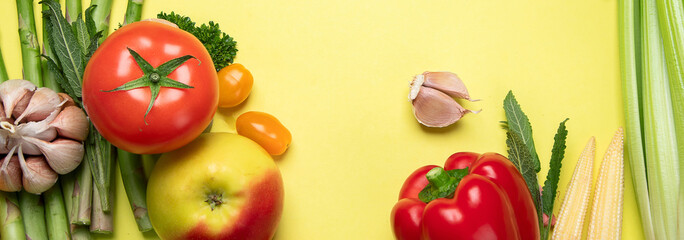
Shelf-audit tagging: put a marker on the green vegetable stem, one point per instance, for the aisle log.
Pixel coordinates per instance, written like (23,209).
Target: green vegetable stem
(3,70)
(101,16)
(55,214)
(11,223)
(73,9)
(133,11)
(33,214)
(135,186)
(82,201)
(30,49)
(101,221)
(77,232)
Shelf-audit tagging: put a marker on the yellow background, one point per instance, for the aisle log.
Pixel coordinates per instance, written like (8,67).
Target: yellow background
(336,73)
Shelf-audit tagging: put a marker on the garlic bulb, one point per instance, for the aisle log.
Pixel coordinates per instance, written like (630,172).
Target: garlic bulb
(432,96)
(41,136)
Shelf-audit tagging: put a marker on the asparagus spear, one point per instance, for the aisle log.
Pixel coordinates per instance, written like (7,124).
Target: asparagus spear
(73,9)
(30,49)
(33,214)
(83,190)
(101,220)
(133,11)
(148,162)
(101,16)
(11,225)
(55,213)
(135,186)
(77,232)
(3,70)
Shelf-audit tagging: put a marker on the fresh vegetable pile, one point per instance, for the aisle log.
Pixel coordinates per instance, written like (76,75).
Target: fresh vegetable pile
(489,196)
(652,62)
(140,97)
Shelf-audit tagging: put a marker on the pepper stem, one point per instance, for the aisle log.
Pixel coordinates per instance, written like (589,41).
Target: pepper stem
(438,176)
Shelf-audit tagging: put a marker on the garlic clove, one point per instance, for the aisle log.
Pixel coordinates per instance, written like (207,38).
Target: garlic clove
(71,123)
(433,108)
(22,104)
(44,102)
(68,101)
(10,174)
(62,155)
(40,130)
(446,82)
(12,91)
(37,176)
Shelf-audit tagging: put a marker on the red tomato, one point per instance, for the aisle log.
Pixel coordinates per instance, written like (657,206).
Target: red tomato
(186,101)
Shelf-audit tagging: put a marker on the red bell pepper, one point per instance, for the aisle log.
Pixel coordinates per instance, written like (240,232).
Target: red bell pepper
(491,202)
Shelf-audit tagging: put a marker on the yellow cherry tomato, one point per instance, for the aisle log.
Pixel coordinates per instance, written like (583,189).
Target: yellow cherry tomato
(235,84)
(265,130)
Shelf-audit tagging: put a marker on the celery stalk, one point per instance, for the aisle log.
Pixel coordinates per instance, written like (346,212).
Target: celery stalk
(628,19)
(659,128)
(671,16)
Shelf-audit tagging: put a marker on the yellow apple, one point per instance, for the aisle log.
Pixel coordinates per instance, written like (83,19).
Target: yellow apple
(220,186)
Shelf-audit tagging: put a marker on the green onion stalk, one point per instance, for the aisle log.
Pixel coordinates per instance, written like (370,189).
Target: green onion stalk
(135,185)
(101,16)
(73,9)
(77,232)
(671,19)
(659,127)
(33,214)
(11,224)
(30,49)
(55,214)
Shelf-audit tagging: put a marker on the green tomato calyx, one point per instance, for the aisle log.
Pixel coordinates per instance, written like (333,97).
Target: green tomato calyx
(154,78)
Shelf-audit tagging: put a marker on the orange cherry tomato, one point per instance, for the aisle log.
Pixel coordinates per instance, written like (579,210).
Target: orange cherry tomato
(235,84)
(265,130)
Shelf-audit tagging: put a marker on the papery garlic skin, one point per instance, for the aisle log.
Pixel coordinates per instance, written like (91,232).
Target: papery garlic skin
(431,95)
(41,136)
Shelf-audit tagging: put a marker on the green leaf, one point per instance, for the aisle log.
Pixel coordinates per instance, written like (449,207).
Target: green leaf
(443,188)
(94,44)
(518,122)
(168,67)
(61,80)
(557,154)
(138,83)
(167,82)
(519,154)
(142,63)
(66,47)
(82,36)
(90,22)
